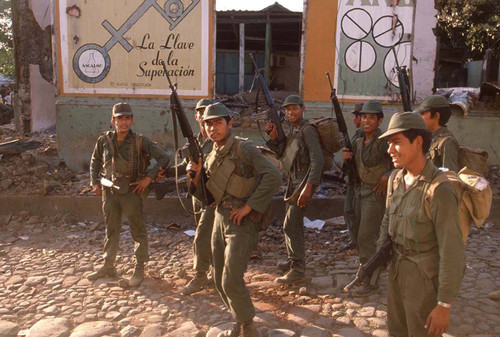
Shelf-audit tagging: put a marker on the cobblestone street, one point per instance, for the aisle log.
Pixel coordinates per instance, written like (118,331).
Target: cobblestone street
(44,291)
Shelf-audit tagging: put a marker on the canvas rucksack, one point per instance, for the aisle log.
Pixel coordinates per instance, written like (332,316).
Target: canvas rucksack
(474,197)
(475,159)
(329,137)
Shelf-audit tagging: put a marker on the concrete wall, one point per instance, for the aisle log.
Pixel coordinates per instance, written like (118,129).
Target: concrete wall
(424,48)
(321,17)
(474,131)
(43,109)
(81,120)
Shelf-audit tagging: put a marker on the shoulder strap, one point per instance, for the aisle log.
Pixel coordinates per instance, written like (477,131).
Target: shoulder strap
(390,186)
(429,193)
(138,144)
(109,138)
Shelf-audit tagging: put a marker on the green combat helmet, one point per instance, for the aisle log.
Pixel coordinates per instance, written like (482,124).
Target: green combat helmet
(371,107)
(216,110)
(292,100)
(203,103)
(403,121)
(432,101)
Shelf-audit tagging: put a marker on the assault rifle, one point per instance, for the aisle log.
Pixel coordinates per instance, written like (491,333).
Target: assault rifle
(273,113)
(160,189)
(404,83)
(192,146)
(378,260)
(346,141)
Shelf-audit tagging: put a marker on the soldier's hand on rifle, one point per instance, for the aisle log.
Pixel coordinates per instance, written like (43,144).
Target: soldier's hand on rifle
(238,214)
(305,196)
(381,187)
(96,189)
(161,173)
(438,321)
(271,130)
(141,185)
(196,168)
(346,154)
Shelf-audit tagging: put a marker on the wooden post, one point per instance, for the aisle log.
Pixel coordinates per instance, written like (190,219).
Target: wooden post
(242,59)
(267,54)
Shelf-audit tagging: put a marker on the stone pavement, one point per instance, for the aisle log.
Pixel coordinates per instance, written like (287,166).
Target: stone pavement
(44,292)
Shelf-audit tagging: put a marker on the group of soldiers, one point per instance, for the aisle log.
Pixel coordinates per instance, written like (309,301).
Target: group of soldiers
(390,174)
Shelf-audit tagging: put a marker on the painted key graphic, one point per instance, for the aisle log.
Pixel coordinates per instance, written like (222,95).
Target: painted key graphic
(92,63)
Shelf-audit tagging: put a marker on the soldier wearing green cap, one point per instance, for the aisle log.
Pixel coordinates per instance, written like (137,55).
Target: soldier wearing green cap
(242,182)
(372,166)
(428,261)
(122,156)
(202,252)
(444,148)
(303,161)
(349,213)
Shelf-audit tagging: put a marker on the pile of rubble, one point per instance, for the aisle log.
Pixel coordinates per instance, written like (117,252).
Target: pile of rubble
(38,170)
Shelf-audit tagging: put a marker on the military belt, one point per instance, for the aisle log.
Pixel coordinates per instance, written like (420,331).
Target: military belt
(232,203)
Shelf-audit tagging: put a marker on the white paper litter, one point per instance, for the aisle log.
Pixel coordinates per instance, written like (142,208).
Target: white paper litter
(24,237)
(190,232)
(316,224)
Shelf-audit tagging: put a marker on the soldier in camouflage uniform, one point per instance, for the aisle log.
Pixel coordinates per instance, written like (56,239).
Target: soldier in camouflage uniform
(242,182)
(122,156)
(303,160)
(349,215)
(372,167)
(428,259)
(444,148)
(205,219)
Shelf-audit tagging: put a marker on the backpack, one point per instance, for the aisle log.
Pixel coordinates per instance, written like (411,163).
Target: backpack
(329,137)
(474,197)
(475,159)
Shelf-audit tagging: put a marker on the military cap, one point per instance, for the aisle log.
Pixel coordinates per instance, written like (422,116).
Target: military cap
(122,109)
(203,103)
(432,101)
(403,121)
(292,99)
(357,107)
(371,107)
(216,110)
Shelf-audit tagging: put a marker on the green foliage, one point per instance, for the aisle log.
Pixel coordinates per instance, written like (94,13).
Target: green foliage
(6,40)
(470,24)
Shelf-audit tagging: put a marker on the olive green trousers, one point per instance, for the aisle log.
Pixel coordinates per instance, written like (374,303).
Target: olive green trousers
(130,204)
(202,240)
(411,296)
(369,210)
(231,249)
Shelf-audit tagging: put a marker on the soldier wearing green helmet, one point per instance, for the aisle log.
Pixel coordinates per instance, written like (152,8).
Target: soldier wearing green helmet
(202,256)
(303,161)
(444,149)
(372,167)
(242,182)
(428,261)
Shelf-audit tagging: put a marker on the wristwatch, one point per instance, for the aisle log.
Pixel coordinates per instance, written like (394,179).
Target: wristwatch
(446,305)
